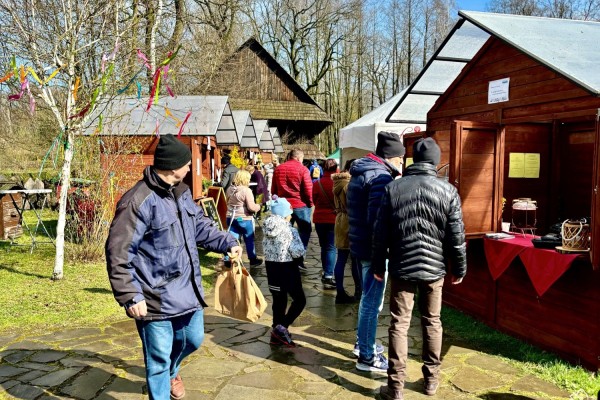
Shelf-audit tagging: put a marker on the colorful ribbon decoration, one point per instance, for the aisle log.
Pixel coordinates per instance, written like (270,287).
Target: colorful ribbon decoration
(183,124)
(143,57)
(168,113)
(76,88)
(6,77)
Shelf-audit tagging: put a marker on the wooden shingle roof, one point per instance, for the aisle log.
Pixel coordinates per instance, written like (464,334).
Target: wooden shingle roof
(280,110)
(311,151)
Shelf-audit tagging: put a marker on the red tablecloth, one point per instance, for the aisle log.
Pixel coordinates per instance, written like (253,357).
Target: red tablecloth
(543,266)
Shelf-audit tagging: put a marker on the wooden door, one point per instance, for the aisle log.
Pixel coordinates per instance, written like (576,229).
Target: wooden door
(595,225)
(476,165)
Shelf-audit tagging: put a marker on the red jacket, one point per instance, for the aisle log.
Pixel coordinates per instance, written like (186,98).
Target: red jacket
(292,181)
(323,199)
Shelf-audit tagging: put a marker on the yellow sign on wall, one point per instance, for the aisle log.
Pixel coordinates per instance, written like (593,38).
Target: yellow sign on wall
(524,165)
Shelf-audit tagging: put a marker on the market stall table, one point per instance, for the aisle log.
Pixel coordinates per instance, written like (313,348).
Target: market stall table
(31,197)
(544,266)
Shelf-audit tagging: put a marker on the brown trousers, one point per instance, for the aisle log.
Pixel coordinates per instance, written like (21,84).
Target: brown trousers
(402,295)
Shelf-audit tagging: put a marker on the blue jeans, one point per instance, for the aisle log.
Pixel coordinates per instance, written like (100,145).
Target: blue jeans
(339,272)
(302,217)
(371,304)
(326,235)
(244,228)
(166,343)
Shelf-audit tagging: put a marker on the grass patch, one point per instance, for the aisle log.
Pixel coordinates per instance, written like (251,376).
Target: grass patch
(581,383)
(32,303)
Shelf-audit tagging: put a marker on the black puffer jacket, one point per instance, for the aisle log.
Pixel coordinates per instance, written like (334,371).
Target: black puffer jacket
(419,227)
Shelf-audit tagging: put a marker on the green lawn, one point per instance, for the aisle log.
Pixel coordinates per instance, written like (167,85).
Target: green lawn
(32,302)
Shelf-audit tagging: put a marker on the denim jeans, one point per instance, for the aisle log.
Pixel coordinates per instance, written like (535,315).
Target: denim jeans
(301,216)
(165,344)
(326,235)
(402,299)
(339,272)
(371,304)
(244,228)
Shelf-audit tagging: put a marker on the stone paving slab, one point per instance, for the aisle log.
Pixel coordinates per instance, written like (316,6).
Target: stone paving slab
(236,360)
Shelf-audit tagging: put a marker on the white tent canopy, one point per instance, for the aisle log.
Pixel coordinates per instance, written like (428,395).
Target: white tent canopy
(360,137)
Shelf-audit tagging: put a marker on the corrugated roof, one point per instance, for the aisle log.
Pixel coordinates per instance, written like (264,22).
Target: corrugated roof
(280,110)
(227,131)
(243,123)
(459,47)
(569,47)
(265,138)
(128,116)
(250,137)
(276,140)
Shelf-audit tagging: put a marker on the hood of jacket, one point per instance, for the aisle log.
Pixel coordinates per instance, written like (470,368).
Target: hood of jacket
(275,225)
(340,181)
(372,165)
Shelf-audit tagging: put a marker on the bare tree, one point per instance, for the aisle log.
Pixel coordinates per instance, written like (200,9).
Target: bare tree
(72,36)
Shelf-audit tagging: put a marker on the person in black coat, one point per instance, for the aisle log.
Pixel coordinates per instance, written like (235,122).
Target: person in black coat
(418,229)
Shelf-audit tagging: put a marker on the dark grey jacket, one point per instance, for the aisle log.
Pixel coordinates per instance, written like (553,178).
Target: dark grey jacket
(228,175)
(419,227)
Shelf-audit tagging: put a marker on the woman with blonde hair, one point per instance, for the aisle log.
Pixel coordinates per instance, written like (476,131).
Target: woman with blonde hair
(240,210)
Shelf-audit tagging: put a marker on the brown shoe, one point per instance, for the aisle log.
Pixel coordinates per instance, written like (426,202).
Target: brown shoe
(431,385)
(177,388)
(390,394)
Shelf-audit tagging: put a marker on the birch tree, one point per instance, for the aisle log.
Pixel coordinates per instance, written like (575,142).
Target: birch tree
(75,38)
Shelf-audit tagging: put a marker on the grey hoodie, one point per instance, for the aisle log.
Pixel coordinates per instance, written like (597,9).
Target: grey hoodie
(281,242)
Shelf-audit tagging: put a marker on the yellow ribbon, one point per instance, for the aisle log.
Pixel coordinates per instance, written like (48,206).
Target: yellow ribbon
(35,76)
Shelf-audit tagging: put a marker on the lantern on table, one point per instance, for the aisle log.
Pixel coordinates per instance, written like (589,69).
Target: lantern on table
(524,215)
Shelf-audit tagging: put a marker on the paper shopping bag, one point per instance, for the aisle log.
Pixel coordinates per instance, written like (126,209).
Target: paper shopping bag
(237,295)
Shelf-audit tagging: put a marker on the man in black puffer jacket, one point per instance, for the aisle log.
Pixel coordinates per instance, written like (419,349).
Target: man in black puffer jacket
(418,228)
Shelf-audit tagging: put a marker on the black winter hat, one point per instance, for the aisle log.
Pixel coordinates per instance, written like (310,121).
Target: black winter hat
(427,150)
(171,153)
(389,145)
(226,159)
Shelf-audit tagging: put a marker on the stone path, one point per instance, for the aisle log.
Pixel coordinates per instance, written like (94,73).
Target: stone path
(237,362)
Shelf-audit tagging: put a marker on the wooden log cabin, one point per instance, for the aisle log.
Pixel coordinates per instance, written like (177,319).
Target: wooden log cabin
(531,89)
(253,80)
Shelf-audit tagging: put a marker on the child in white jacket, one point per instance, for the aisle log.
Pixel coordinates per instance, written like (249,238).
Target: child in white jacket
(283,252)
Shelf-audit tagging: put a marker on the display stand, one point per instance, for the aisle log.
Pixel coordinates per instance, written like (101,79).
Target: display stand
(218,195)
(30,196)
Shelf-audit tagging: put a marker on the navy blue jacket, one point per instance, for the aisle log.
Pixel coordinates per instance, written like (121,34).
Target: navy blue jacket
(419,227)
(369,176)
(151,251)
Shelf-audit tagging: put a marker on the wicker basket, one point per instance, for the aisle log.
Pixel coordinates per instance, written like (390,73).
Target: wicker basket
(575,235)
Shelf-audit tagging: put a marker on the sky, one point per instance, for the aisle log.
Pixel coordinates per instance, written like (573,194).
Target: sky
(471,5)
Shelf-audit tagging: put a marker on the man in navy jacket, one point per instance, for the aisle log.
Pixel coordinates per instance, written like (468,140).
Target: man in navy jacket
(154,267)
(369,176)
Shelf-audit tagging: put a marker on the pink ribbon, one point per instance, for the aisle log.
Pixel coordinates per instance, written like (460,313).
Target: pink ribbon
(143,57)
(183,123)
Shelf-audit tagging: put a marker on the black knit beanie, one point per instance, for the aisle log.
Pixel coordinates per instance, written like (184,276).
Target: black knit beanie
(171,154)
(427,150)
(226,159)
(389,145)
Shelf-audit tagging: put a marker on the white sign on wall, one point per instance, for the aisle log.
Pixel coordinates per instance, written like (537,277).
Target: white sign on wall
(498,91)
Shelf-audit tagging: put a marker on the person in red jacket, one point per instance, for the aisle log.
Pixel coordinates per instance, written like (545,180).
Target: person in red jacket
(291,180)
(324,219)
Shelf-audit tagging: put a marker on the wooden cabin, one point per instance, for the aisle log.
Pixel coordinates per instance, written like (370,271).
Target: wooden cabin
(130,134)
(10,220)
(253,80)
(531,92)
